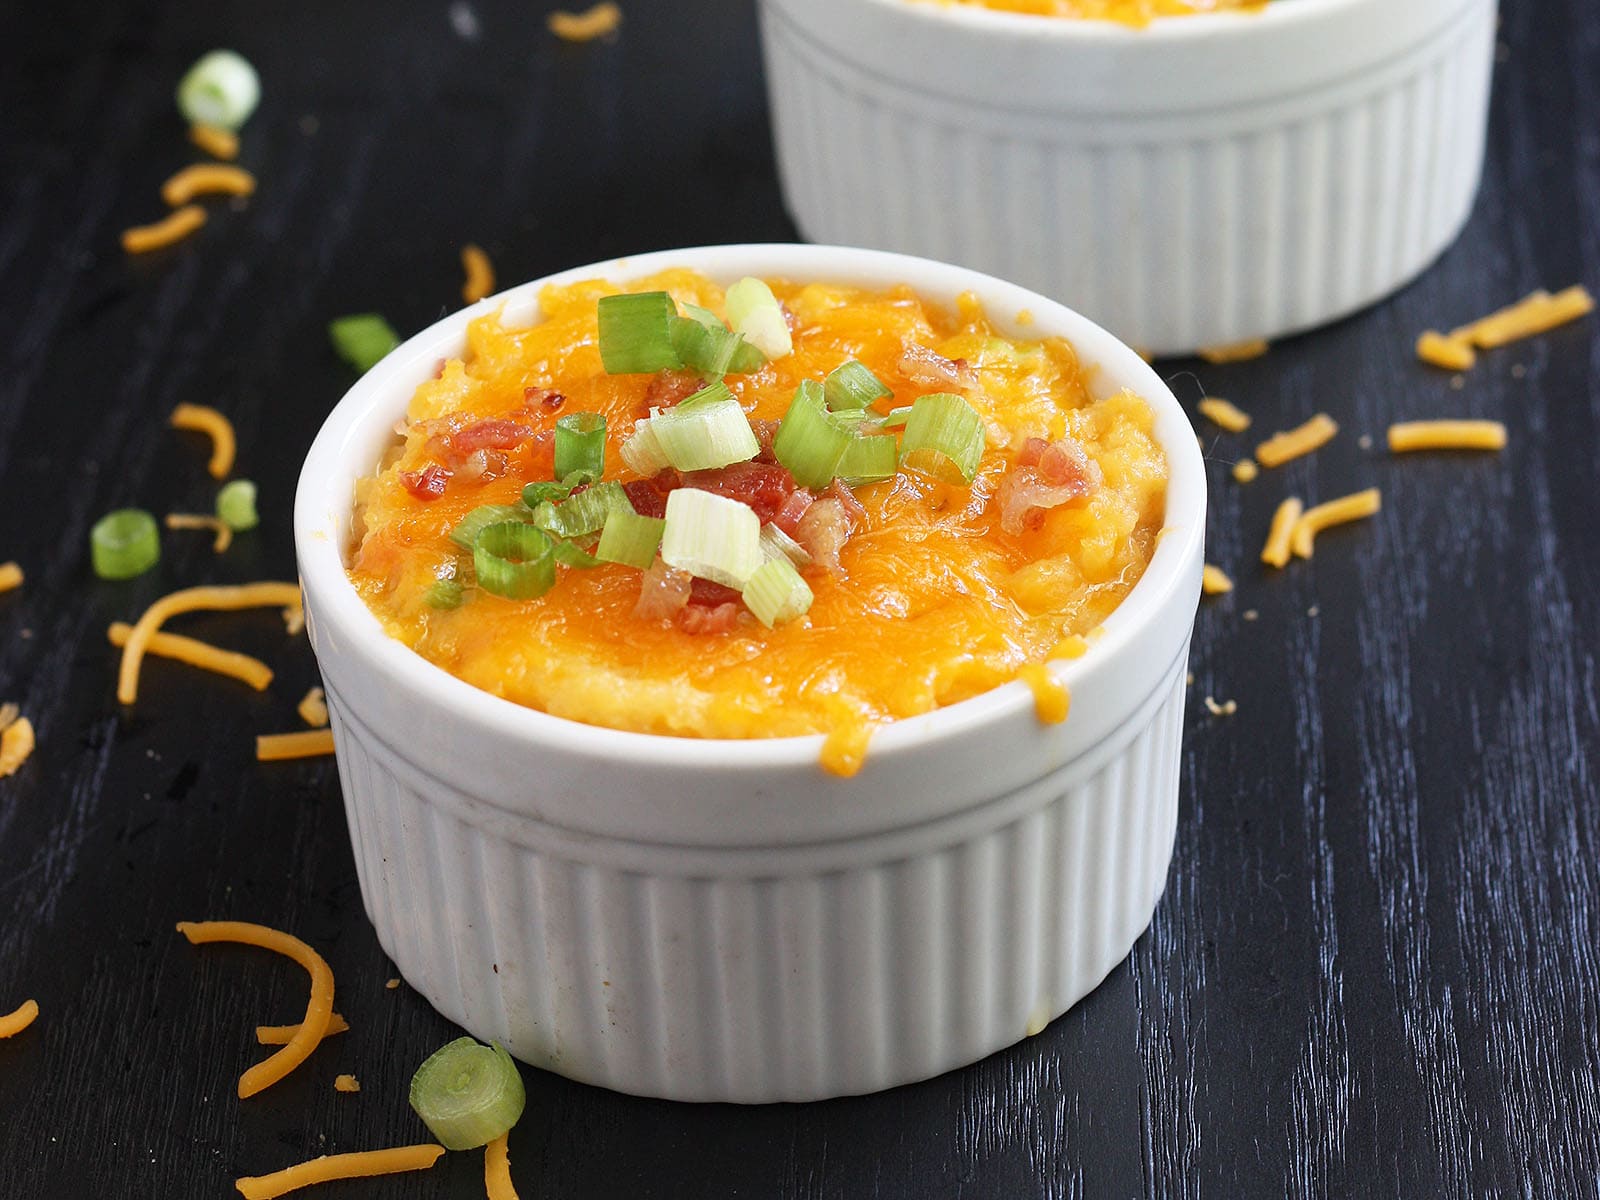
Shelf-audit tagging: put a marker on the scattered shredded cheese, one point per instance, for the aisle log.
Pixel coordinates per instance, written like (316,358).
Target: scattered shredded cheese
(1245,470)
(1226,709)
(1446,435)
(1282,447)
(222,535)
(479,271)
(1219,412)
(1051,700)
(215,141)
(392,984)
(1446,353)
(845,747)
(199,654)
(1528,317)
(207,179)
(9,712)
(13,1023)
(1214,581)
(596,22)
(1280,536)
(359,1165)
(16,744)
(1236,352)
(319,1008)
(308,743)
(279,1035)
(1072,646)
(203,419)
(294,620)
(497,1169)
(346,1083)
(10,576)
(249,595)
(1335,512)
(174,227)
(313,709)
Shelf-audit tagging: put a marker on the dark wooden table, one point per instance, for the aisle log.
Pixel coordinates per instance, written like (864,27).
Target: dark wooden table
(1376,970)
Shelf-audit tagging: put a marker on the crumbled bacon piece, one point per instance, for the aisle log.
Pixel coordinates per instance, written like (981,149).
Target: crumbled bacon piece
(663,591)
(493,433)
(922,365)
(1031,451)
(787,517)
(763,486)
(482,465)
(541,397)
(698,619)
(1047,475)
(671,387)
(842,493)
(428,483)
(823,531)
(766,432)
(649,496)
(710,594)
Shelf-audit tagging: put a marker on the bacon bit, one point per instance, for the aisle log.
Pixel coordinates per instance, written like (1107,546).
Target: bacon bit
(697,619)
(922,365)
(1032,450)
(649,496)
(709,594)
(1067,464)
(766,433)
(840,492)
(765,487)
(428,483)
(668,388)
(483,465)
(546,398)
(823,531)
(788,517)
(1047,475)
(663,592)
(494,433)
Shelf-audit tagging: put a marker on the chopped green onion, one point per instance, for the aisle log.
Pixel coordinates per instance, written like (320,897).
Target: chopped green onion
(573,555)
(775,543)
(630,539)
(755,312)
(535,494)
(636,333)
(581,446)
(583,513)
(706,431)
(642,450)
(236,505)
(125,543)
(468,1094)
(713,350)
(362,339)
(853,385)
(703,316)
(514,560)
(811,441)
(869,459)
(445,594)
(776,593)
(221,89)
(896,418)
(943,438)
(711,537)
(466,532)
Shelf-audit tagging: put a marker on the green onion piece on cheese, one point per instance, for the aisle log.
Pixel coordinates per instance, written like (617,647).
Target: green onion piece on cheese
(221,89)
(713,349)
(362,339)
(514,560)
(125,543)
(581,446)
(811,440)
(711,537)
(465,534)
(236,505)
(571,554)
(943,438)
(535,494)
(468,1094)
(445,594)
(582,513)
(896,418)
(755,312)
(776,593)
(630,539)
(636,333)
(775,543)
(853,385)
(869,459)
(642,449)
(706,431)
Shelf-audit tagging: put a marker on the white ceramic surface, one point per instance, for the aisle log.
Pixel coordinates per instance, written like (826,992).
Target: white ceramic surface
(722,920)
(1205,180)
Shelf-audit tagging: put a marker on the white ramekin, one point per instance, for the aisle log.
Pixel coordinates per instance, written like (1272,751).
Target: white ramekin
(1205,180)
(722,920)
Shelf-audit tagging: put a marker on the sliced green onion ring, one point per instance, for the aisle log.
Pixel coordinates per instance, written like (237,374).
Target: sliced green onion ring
(811,441)
(755,312)
(636,333)
(570,554)
(535,494)
(466,532)
(468,1094)
(713,349)
(630,539)
(711,537)
(236,505)
(853,385)
(869,459)
(775,543)
(642,450)
(896,418)
(943,438)
(125,543)
(221,89)
(776,593)
(706,431)
(581,446)
(583,513)
(514,560)
(362,339)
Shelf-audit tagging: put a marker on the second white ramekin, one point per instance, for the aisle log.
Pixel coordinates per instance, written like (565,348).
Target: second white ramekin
(722,920)
(1205,180)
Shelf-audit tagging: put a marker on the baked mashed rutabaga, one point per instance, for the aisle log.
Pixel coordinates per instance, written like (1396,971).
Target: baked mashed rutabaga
(1128,12)
(924,591)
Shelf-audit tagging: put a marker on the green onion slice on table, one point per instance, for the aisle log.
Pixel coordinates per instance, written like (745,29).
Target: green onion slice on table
(221,89)
(468,1094)
(236,505)
(124,543)
(362,339)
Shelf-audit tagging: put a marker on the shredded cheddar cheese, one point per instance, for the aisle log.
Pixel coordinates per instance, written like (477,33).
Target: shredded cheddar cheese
(279,1035)
(1214,581)
(1235,352)
(319,1008)
(198,654)
(294,620)
(497,1169)
(215,141)
(10,576)
(844,749)
(13,1023)
(227,599)
(479,271)
(359,1165)
(1225,709)
(391,984)
(174,227)
(597,22)
(1446,353)
(1282,447)
(1405,436)
(1224,415)
(1335,512)
(1528,317)
(222,536)
(202,419)
(1245,470)
(16,744)
(1072,646)
(1280,536)
(207,179)
(346,1083)
(279,747)
(1051,700)
(313,709)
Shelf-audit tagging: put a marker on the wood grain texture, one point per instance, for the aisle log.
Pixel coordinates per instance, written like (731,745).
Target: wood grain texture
(1376,970)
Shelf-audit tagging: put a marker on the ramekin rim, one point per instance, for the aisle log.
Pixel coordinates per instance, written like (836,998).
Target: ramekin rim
(1176,28)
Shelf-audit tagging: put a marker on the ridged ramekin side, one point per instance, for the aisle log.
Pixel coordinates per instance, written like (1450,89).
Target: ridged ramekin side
(1173,231)
(761,974)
